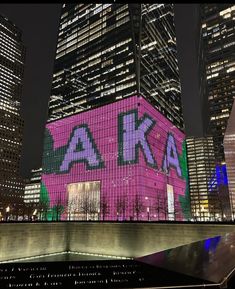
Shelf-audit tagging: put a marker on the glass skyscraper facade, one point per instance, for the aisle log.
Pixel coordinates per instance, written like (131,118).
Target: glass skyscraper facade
(32,187)
(215,42)
(218,44)
(107,52)
(12,58)
(203,183)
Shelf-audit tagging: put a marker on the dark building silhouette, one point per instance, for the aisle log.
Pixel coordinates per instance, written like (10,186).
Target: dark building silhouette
(12,58)
(191,68)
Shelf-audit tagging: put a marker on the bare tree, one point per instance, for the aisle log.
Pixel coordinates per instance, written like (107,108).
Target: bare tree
(93,209)
(58,209)
(28,211)
(77,208)
(157,206)
(45,209)
(71,208)
(85,206)
(40,209)
(104,207)
(121,205)
(164,207)
(15,211)
(179,213)
(138,206)
(161,206)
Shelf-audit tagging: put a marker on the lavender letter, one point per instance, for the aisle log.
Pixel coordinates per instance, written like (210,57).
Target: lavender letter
(171,156)
(81,148)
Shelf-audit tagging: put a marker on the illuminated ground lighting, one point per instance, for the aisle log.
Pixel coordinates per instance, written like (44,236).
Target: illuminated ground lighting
(33,257)
(100,255)
(65,252)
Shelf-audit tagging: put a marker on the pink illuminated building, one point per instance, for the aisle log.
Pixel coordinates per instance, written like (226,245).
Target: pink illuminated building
(121,161)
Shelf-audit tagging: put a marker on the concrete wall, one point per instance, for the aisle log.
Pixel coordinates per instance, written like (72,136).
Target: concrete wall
(138,239)
(18,240)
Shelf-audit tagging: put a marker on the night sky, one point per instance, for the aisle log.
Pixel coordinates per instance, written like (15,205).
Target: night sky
(39,24)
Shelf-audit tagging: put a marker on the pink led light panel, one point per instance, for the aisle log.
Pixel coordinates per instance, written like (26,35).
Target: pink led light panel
(131,148)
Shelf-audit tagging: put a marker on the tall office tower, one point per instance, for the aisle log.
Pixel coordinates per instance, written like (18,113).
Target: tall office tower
(107,52)
(32,204)
(12,57)
(32,187)
(202,185)
(219,45)
(229,150)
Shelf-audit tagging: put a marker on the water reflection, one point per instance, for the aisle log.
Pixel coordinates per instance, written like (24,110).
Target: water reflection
(211,259)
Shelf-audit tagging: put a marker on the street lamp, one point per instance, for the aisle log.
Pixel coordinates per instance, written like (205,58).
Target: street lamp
(7,212)
(148,212)
(34,214)
(146,198)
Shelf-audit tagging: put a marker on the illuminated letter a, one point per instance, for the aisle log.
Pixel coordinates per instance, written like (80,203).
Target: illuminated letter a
(171,156)
(82,149)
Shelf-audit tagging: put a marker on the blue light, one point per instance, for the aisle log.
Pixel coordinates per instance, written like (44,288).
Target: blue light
(211,243)
(224,170)
(218,175)
(218,178)
(212,184)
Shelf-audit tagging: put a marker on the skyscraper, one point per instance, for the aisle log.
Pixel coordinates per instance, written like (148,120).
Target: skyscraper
(32,187)
(12,57)
(32,206)
(106,52)
(219,42)
(218,47)
(202,181)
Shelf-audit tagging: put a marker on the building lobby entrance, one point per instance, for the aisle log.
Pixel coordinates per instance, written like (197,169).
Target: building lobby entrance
(83,201)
